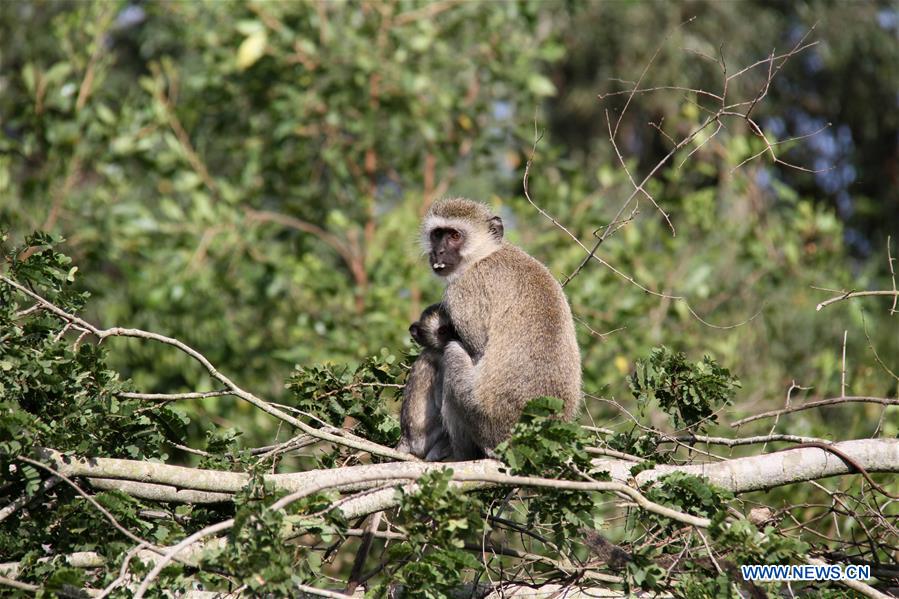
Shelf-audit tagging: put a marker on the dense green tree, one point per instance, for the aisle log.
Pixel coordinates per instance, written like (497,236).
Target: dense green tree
(248,178)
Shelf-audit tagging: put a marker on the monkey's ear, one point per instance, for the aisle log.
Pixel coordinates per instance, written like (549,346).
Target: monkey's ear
(495,225)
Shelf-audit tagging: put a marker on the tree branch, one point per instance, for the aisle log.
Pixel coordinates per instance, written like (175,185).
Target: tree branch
(884,401)
(851,294)
(353,442)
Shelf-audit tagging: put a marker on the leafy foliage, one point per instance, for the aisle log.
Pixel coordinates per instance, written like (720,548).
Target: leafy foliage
(750,547)
(248,178)
(37,264)
(643,570)
(687,493)
(543,445)
(255,554)
(707,585)
(224,450)
(332,395)
(58,394)
(690,394)
(635,443)
(438,519)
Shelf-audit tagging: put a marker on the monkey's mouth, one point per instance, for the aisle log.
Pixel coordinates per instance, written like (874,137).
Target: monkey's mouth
(442,266)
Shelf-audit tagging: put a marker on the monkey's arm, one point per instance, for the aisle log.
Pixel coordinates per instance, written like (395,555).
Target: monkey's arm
(459,376)
(461,413)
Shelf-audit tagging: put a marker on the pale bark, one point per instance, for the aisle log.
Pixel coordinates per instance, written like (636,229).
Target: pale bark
(162,482)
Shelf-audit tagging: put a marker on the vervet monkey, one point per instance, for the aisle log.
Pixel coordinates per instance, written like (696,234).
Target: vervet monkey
(515,334)
(420,418)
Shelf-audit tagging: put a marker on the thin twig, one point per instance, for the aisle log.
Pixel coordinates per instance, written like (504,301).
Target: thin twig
(538,135)
(884,401)
(890,261)
(843,368)
(850,294)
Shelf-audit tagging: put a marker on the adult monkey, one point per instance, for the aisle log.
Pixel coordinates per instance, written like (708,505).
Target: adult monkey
(515,333)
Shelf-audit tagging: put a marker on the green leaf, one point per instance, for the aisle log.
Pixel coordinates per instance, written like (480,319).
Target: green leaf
(251,49)
(539,85)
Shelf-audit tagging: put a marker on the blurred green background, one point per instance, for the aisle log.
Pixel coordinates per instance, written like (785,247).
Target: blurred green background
(248,177)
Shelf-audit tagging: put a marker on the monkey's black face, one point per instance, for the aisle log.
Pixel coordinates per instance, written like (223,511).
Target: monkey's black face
(430,337)
(446,250)
(417,332)
(445,334)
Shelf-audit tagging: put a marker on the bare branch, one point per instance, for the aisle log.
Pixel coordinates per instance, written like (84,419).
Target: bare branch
(738,475)
(851,294)
(15,584)
(157,492)
(775,63)
(728,442)
(175,396)
(884,401)
(762,472)
(890,261)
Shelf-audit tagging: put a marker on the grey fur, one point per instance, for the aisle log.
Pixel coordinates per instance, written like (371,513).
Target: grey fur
(420,416)
(516,338)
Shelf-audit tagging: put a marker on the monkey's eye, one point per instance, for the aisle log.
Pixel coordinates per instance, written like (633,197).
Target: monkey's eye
(455,235)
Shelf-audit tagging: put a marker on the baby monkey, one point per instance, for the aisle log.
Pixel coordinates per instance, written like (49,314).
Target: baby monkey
(423,432)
